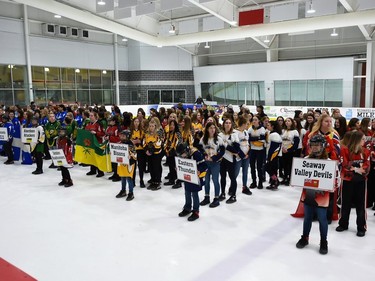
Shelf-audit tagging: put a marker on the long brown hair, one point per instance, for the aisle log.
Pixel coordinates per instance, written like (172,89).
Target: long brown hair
(207,135)
(354,144)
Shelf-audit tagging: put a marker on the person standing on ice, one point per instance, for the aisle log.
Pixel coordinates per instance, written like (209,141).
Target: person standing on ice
(315,202)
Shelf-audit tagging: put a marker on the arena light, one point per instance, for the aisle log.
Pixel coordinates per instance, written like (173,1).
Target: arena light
(101,3)
(334,33)
(311,9)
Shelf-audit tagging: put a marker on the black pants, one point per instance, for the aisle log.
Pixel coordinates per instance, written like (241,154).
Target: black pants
(370,186)
(353,192)
(257,157)
(227,166)
(272,167)
(141,163)
(155,167)
(287,162)
(114,170)
(39,160)
(65,174)
(46,151)
(7,147)
(172,168)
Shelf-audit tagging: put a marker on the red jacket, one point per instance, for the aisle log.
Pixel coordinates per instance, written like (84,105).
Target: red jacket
(113,133)
(97,128)
(349,160)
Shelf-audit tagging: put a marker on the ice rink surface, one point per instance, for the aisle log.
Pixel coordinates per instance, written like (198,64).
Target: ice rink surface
(84,233)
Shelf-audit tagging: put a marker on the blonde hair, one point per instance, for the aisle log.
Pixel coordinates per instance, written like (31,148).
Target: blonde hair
(318,124)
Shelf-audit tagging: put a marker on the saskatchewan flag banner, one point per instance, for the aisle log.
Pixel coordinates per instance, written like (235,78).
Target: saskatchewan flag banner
(90,151)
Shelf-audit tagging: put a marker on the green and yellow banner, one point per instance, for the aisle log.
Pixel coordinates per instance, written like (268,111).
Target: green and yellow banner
(90,151)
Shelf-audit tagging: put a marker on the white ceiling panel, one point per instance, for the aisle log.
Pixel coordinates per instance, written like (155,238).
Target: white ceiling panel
(127,3)
(166,5)
(284,12)
(109,4)
(188,26)
(366,4)
(145,9)
(212,23)
(122,13)
(323,8)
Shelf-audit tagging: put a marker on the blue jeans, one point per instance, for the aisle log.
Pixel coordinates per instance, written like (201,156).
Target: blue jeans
(321,213)
(130,183)
(188,202)
(244,164)
(214,170)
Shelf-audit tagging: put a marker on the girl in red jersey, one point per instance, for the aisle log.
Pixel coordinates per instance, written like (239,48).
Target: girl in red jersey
(355,160)
(112,135)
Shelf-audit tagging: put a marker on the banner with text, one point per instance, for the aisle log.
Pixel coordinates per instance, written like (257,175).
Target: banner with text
(187,170)
(29,135)
(4,134)
(319,174)
(119,153)
(59,159)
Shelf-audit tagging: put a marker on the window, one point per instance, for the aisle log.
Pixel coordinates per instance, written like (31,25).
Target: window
(166,96)
(309,92)
(234,92)
(134,97)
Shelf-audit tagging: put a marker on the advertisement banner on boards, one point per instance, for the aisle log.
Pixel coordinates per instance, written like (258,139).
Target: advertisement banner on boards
(318,174)
(119,153)
(187,170)
(29,135)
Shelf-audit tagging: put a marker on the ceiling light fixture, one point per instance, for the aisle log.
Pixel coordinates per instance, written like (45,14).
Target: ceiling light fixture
(334,33)
(124,39)
(266,40)
(207,46)
(104,71)
(77,70)
(57,16)
(46,69)
(101,3)
(311,8)
(172,30)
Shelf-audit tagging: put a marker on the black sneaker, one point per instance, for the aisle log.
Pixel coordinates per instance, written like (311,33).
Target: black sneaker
(231,199)
(116,179)
(177,185)
(62,182)
(361,233)
(156,186)
(205,201)
(149,181)
(111,177)
(253,185)
(215,203)
(130,196)
(68,183)
(194,216)
(341,228)
(169,183)
(142,185)
(8,162)
(184,213)
(100,174)
(166,177)
(91,173)
(150,186)
(323,247)
(37,172)
(52,166)
(303,242)
(260,185)
(222,197)
(121,194)
(246,190)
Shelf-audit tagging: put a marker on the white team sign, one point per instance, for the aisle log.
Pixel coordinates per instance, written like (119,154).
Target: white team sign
(187,170)
(119,153)
(29,135)
(318,174)
(4,134)
(58,158)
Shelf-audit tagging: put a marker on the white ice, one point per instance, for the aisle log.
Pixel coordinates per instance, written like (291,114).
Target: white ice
(85,233)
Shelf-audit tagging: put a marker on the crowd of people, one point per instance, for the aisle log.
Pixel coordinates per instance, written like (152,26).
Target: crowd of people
(225,141)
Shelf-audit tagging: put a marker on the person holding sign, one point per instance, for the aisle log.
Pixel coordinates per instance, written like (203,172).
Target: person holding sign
(7,147)
(355,160)
(38,147)
(112,135)
(51,130)
(126,171)
(183,150)
(315,201)
(65,143)
(214,149)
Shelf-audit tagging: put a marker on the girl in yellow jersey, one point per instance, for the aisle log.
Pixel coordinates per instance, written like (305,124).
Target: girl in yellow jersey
(173,138)
(195,123)
(137,136)
(152,144)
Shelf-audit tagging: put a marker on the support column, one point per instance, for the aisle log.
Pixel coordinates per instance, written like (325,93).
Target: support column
(117,79)
(27,49)
(273,52)
(370,74)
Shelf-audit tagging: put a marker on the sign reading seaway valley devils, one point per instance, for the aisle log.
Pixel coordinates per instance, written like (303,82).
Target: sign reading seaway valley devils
(187,170)
(319,174)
